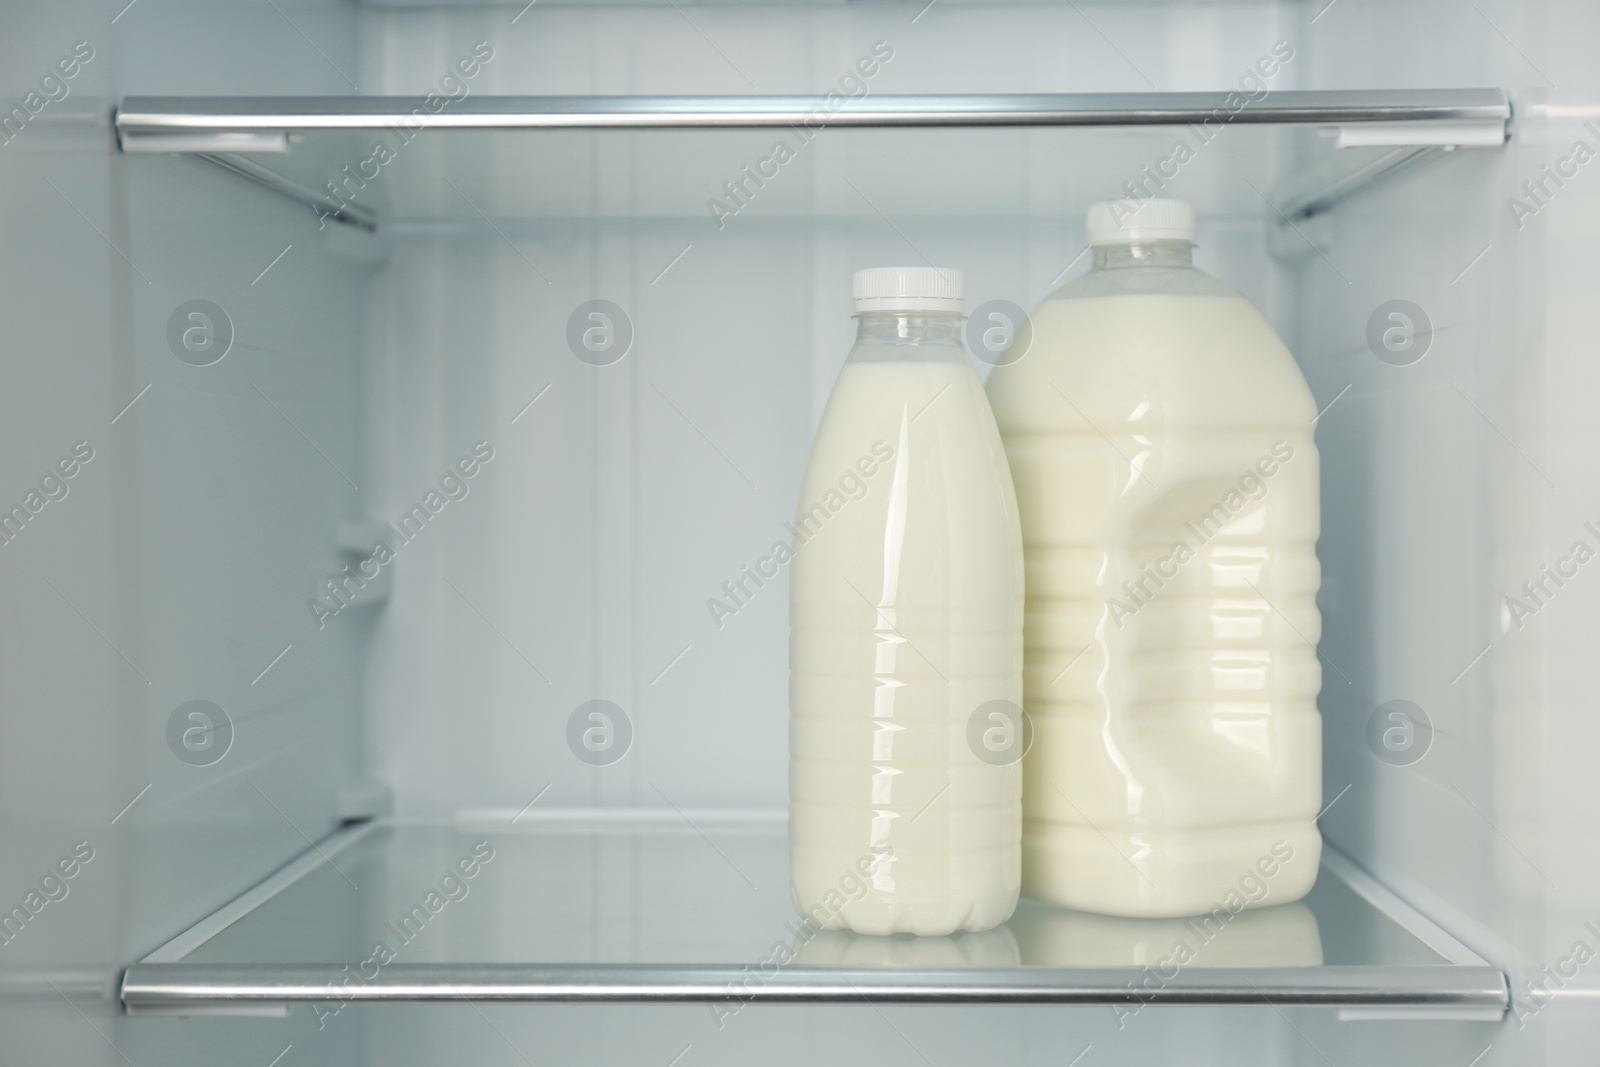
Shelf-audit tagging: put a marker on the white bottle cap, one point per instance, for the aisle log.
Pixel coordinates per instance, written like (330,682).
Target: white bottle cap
(1116,222)
(910,289)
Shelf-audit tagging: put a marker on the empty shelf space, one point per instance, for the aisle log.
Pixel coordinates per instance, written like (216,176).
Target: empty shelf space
(606,910)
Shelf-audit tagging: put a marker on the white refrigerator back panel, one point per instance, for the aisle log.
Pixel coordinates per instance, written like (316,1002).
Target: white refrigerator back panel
(600,555)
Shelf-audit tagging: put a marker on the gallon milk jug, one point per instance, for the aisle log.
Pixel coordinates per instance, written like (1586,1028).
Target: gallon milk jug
(1160,436)
(906,633)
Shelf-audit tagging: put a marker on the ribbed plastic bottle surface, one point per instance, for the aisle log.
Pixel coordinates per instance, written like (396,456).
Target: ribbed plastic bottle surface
(1161,446)
(906,612)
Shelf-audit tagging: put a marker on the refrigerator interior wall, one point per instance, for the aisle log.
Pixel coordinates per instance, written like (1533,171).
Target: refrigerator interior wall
(585,560)
(173,565)
(580,565)
(578,562)
(1448,484)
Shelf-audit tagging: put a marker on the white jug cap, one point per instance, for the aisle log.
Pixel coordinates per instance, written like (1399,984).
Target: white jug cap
(910,289)
(1115,222)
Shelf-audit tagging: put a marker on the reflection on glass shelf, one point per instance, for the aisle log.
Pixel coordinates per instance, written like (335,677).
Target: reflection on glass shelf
(627,912)
(1281,936)
(1043,936)
(840,948)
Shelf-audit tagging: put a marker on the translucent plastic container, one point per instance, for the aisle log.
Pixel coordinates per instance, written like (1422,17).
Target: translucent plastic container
(1160,437)
(906,633)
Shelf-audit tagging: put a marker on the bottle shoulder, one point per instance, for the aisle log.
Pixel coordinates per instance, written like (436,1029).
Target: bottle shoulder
(1174,358)
(942,354)
(877,387)
(1144,281)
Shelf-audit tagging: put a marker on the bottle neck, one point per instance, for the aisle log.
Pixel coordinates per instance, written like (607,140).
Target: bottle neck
(908,327)
(1144,254)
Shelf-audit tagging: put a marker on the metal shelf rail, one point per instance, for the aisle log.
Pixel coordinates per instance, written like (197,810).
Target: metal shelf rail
(242,133)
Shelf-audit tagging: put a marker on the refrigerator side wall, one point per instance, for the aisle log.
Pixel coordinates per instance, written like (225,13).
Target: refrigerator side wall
(1458,483)
(174,727)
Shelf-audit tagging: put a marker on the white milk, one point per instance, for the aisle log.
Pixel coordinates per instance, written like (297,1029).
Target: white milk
(906,616)
(1160,438)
